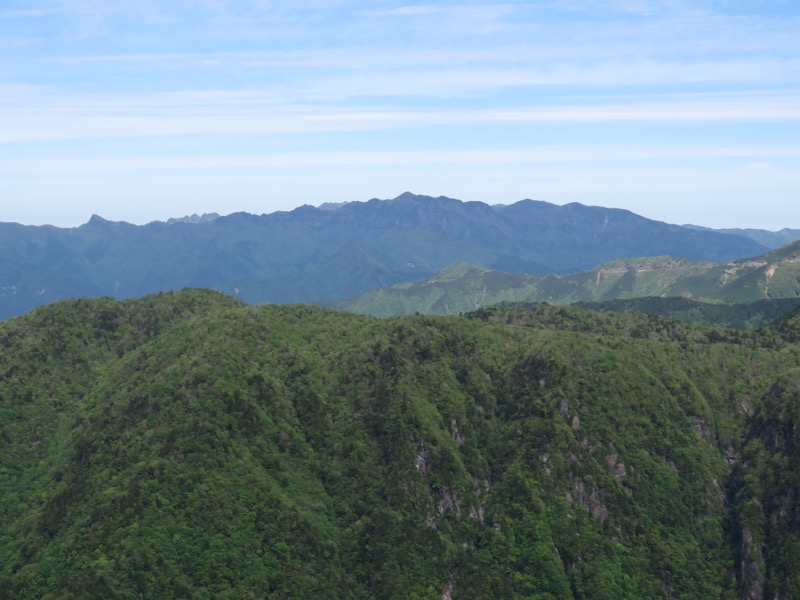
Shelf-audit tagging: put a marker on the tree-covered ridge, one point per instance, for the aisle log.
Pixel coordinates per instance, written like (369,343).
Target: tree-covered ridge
(187,445)
(462,287)
(747,315)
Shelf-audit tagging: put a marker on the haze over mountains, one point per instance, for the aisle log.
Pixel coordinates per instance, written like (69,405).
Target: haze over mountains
(327,254)
(770,239)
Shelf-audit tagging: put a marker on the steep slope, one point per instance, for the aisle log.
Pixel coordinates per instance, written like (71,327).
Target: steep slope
(766,515)
(772,275)
(187,445)
(324,255)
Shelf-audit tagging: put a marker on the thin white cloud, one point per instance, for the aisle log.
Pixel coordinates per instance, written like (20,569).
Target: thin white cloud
(27,13)
(635,7)
(365,59)
(487,79)
(248,114)
(405,11)
(754,159)
(115,75)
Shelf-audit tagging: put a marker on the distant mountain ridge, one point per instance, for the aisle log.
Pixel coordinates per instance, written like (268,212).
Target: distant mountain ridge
(770,239)
(195,218)
(315,255)
(463,287)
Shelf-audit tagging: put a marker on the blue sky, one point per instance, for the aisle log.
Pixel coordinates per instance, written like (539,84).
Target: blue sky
(682,111)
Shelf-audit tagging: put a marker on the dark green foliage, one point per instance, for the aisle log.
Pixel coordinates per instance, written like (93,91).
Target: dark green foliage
(767,519)
(189,446)
(749,315)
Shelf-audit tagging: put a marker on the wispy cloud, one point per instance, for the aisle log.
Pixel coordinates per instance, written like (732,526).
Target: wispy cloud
(406,83)
(249,114)
(27,13)
(757,159)
(405,11)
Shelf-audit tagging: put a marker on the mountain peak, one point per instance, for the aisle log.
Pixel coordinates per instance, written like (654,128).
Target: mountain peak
(332,205)
(194,218)
(96,220)
(409,196)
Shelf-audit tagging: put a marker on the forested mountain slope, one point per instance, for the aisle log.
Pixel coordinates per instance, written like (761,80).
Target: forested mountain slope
(464,287)
(319,255)
(745,315)
(186,445)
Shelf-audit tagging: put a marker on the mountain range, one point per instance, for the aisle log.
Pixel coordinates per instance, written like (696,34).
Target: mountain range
(328,254)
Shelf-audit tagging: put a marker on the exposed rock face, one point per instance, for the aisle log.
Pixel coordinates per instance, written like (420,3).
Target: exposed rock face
(702,428)
(420,463)
(448,501)
(449,588)
(617,468)
(563,408)
(457,435)
(752,577)
(589,500)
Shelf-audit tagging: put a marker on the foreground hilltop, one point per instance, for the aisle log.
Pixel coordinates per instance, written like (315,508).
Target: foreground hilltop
(322,255)
(188,445)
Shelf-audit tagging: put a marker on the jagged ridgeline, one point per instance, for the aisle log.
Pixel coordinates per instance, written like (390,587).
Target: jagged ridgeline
(186,445)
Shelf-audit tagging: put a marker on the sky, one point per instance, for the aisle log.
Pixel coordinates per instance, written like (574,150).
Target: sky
(684,111)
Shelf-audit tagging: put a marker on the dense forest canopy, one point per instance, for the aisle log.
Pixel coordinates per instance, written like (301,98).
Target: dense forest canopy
(186,445)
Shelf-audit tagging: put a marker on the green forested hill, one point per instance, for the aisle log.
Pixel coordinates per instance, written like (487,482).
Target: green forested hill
(189,446)
(464,287)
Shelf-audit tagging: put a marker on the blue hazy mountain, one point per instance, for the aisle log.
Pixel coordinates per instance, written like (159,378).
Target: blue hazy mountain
(322,255)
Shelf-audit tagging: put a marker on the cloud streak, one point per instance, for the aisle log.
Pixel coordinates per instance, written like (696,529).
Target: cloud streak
(509,91)
(625,154)
(252,114)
